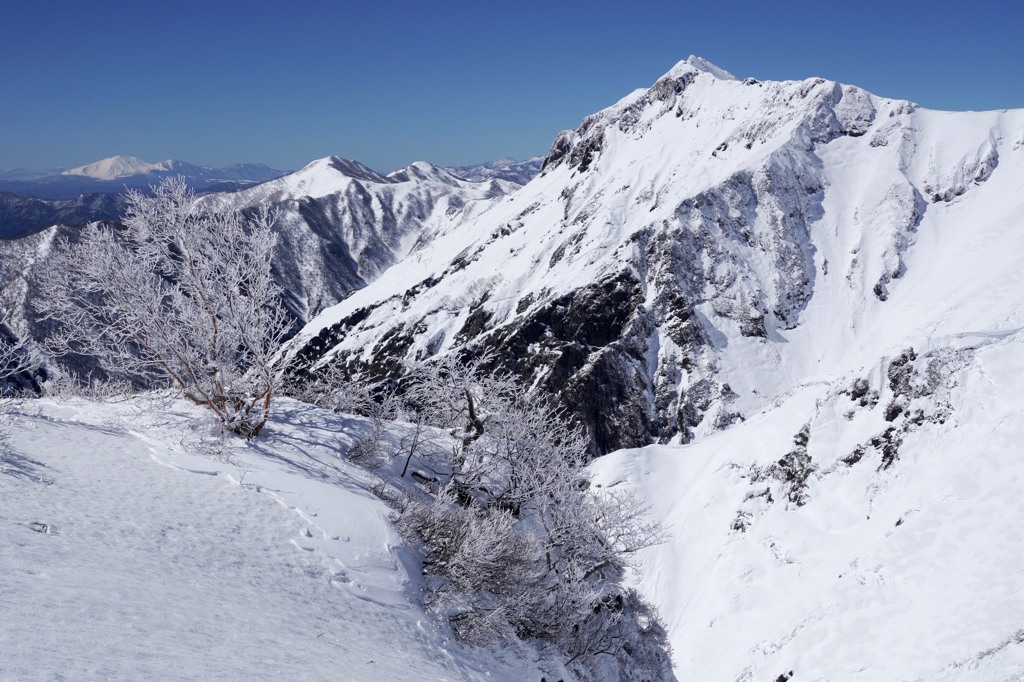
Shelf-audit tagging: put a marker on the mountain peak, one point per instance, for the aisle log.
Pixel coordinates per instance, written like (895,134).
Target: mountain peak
(116,167)
(352,169)
(423,170)
(695,63)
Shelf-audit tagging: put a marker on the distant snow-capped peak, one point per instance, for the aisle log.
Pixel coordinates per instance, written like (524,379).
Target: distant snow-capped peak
(118,167)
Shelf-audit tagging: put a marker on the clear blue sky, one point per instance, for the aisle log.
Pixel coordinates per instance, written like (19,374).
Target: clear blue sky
(388,83)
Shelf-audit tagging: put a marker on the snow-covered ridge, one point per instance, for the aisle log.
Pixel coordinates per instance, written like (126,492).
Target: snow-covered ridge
(706,243)
(341,223)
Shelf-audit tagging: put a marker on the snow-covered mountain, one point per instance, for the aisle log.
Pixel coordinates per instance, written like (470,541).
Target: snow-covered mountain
(814,297)
(519,172)
(118,167)
(112,175)
(341,224)
(698,248)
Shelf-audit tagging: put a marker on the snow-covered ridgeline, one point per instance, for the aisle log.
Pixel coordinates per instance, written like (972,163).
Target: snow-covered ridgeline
(701,246)
(341,224)
(519,172)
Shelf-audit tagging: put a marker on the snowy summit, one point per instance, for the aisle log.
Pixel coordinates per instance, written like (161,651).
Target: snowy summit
(118,167)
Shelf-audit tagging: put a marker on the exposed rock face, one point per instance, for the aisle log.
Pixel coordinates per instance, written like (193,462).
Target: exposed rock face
(672,237)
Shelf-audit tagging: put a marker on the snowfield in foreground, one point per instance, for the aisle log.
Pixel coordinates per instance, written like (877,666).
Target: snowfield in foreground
(271,561)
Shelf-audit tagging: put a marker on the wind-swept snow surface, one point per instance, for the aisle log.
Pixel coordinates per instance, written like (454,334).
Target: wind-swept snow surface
(124,557)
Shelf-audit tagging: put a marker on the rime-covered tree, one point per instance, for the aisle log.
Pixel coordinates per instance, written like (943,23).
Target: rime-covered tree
(182,296)
(14,355)
(519,544)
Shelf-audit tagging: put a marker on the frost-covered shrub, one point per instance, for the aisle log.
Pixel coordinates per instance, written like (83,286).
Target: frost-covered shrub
(516,544)
(15,359)
(180,297)
(488,569)
(330,387)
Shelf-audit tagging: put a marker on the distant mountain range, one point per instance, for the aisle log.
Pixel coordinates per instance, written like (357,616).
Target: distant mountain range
(519,172)
(35,200)
(341,224)
(114,174)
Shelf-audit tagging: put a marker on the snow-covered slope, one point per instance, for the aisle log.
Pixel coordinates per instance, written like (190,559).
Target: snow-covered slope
(702,246)
(829,537)
(127,557)
(342,224)
(20,259)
